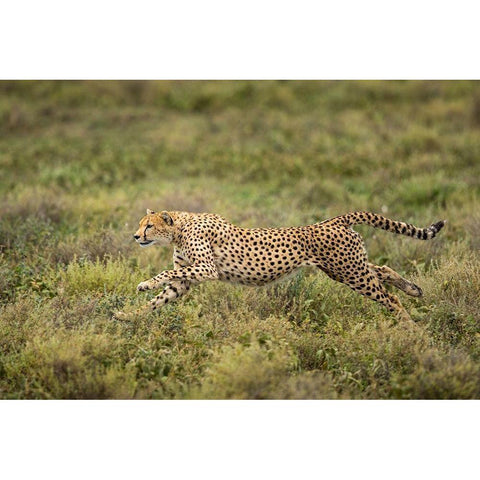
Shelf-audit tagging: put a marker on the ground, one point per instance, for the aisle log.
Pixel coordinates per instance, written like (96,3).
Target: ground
(81,161)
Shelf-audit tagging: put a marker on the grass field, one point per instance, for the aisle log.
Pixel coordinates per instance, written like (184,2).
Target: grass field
(81,161)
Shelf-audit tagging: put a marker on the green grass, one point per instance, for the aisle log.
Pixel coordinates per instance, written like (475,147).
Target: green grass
(81,161)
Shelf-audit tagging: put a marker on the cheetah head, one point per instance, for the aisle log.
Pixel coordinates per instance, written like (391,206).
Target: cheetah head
(155,228)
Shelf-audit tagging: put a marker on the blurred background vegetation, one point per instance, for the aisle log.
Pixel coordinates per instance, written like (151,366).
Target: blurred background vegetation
(81,161)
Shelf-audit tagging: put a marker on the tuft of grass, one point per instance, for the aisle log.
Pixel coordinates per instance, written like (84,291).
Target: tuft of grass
(447,375)
(83,276)
(250,370)
(70,366)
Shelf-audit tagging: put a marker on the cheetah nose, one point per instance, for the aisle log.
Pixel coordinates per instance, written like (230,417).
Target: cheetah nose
(136,237)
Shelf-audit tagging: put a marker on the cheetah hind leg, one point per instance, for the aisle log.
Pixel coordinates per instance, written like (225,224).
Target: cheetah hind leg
(388,276)
(370,286)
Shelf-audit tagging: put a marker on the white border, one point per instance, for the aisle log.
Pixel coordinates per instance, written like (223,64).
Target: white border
(252,39)
(239,439)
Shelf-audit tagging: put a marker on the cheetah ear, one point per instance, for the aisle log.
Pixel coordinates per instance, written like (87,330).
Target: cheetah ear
(168,219)
(150,212)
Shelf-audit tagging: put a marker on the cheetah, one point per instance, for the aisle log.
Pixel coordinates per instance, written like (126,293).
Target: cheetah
(207,247)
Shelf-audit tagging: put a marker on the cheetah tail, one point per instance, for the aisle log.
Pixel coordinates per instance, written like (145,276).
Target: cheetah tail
(378,221)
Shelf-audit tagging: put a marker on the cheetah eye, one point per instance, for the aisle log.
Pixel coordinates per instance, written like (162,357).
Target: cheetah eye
(149,226)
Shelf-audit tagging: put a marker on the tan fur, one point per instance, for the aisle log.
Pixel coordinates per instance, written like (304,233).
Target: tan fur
(207,247)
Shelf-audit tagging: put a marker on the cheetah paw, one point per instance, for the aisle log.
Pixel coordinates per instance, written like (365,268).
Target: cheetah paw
(143,286)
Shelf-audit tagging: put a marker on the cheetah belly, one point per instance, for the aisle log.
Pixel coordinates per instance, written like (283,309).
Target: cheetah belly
(233,275)
(250,270)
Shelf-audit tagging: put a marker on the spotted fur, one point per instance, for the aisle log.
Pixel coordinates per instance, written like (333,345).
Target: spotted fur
(207,247)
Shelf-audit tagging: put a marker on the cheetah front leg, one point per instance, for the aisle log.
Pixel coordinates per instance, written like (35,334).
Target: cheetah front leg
(178,262)
(172,292)
(193,273)
(177,282)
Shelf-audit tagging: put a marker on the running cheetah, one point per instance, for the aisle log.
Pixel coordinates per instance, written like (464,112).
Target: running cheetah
(207,247)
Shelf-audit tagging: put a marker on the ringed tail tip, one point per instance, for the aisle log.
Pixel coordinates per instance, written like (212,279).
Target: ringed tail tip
(439,225)
(436,227)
